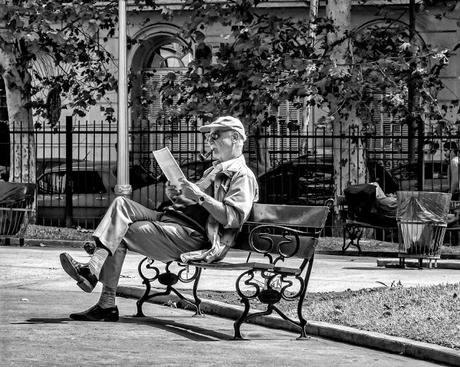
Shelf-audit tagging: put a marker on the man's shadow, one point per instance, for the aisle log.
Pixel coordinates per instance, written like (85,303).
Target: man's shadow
(186,330)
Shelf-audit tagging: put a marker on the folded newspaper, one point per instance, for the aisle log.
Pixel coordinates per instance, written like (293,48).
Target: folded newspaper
(169,166)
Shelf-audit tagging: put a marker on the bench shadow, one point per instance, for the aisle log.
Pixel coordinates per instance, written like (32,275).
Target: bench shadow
(190,331)
(43,320)
(186,330)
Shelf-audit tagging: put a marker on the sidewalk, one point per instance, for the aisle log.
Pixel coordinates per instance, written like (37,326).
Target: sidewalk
(36,297)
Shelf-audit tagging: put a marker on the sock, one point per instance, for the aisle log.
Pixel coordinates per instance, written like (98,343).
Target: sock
(97,260)
(107,298)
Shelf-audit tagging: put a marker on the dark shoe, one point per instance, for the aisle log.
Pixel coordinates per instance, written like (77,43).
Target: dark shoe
(96,313)
(86,280)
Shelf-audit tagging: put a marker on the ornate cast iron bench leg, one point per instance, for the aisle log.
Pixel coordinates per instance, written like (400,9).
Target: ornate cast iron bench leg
(168,279)
(237,323)
(354,232)
(270,297)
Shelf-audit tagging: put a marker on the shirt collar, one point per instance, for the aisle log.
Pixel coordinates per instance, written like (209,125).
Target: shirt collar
(231,166)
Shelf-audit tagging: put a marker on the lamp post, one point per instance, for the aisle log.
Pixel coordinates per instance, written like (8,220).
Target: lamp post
(123,187)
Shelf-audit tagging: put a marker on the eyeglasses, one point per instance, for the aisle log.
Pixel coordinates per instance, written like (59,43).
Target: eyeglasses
(216,134)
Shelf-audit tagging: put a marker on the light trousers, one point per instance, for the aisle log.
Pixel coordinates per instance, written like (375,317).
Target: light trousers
(128,225)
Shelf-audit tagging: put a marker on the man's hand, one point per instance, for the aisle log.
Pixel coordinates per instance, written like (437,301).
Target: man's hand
(171,191)
(190,190)
(176,196)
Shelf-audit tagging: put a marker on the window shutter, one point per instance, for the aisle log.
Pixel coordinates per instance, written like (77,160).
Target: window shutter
(390,137)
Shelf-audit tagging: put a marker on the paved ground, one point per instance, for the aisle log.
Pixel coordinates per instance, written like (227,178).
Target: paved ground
(330,273)
(36,297)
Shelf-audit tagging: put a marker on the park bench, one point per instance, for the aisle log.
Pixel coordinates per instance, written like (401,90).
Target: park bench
(270,238)
(16,207)
(353,228)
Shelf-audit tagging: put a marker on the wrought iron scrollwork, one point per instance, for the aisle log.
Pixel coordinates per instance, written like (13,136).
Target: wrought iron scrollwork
(185,274)
(262,240)
(169,277)
(289,292)
(270,290)
(146,265)
(289,287)
(270,286)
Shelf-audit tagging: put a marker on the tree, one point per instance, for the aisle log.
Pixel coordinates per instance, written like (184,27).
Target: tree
(67,34)
(266,62)
(270,59)
(349,162)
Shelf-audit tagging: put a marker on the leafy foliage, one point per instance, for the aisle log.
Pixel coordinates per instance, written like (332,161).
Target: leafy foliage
(59,43)
(269,59)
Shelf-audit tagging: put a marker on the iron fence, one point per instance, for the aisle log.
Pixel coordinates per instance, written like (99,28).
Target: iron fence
(76,165)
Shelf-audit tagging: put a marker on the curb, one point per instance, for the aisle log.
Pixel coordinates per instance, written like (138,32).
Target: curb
(391,254)
(414,264)
(387,343)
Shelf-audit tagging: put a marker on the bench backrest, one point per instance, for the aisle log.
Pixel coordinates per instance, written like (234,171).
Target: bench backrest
(267,229)
(16,203)
(298,216)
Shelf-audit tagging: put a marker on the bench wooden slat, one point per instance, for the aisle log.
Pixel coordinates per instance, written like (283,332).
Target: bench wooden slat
(232,266)
(245,266)
(286,270)
(290,215)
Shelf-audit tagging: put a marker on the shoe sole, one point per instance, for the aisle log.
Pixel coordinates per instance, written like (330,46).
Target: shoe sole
(85,318)
(83,283)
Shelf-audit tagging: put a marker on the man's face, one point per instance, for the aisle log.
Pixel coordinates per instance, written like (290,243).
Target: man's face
(221,143)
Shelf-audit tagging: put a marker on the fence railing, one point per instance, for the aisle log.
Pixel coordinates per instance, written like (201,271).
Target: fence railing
(295,168)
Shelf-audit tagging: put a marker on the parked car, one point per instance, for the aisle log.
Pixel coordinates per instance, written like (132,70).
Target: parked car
(92,192)
(309,180)
(93,187)
(435,176)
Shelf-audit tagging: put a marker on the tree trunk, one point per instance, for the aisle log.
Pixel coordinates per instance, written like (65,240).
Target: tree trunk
(308,110)
(349,163)
(262,162)
(17,86)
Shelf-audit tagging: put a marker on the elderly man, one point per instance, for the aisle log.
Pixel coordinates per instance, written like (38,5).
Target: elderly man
(201,224)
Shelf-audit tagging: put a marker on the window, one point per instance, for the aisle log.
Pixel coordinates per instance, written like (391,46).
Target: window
(170,55)
(52,183)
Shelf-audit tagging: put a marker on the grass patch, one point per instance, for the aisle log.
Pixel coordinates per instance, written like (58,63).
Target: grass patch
(57,233)
(428,314)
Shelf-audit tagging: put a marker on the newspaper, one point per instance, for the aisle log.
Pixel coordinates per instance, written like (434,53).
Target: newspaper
(169,166)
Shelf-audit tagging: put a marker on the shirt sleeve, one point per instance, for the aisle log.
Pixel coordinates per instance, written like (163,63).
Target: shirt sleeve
(238,201)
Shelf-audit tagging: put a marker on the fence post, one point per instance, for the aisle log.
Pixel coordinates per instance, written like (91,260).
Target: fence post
(68,167)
